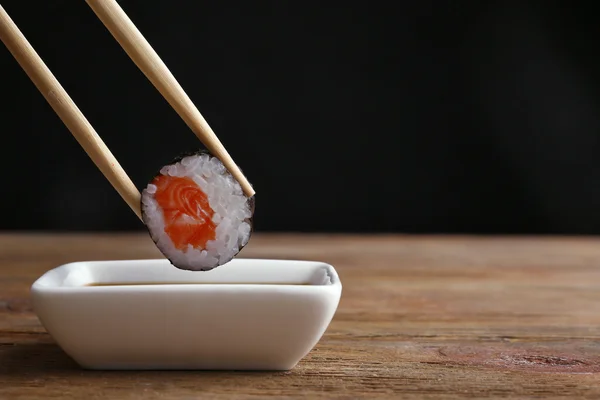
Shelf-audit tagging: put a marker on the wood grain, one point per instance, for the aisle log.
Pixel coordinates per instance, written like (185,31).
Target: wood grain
(420,318)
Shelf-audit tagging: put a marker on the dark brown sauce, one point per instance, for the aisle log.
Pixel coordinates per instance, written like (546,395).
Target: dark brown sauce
(192,283)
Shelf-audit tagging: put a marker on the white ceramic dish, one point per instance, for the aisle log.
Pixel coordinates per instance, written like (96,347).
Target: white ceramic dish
(249,314)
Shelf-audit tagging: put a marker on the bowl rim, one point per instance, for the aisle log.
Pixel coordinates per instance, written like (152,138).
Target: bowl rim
(38,288)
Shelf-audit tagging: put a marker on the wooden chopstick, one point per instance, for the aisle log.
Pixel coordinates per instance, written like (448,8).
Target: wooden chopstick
(148,61)
(67,111)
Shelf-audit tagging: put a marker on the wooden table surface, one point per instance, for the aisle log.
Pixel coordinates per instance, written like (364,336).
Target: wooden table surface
(420,318)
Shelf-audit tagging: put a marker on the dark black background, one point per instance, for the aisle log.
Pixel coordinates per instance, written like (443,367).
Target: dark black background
(416,116)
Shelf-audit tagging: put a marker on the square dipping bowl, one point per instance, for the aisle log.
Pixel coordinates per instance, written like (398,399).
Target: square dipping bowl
(249,314)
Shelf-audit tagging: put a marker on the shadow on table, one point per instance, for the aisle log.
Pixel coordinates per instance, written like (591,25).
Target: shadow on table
(35,358)
(41,359)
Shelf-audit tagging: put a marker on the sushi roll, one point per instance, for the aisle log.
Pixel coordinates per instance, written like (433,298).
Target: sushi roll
(196,212)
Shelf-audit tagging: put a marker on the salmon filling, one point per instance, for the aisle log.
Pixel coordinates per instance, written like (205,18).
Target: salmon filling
(186,211)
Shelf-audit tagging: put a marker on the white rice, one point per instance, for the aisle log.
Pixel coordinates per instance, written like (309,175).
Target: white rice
(225,197)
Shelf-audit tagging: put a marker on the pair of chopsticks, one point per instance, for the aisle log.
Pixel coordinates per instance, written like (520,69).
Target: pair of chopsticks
(148,61)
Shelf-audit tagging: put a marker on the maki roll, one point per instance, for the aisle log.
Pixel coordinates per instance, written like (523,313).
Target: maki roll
(197,213)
